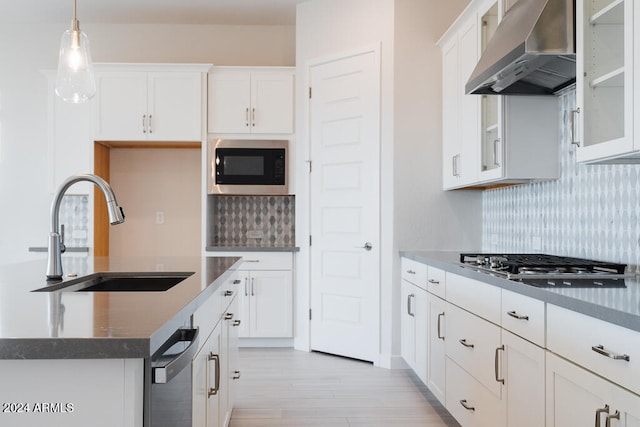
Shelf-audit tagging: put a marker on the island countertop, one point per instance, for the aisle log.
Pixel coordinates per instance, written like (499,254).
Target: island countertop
(89,325)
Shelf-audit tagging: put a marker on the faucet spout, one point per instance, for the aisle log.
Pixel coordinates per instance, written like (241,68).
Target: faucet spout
(56,246)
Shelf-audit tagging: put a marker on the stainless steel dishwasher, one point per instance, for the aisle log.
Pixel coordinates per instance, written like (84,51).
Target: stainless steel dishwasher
(170,401)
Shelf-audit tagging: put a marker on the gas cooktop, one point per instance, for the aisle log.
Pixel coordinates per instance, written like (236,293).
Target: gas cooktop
(544,270)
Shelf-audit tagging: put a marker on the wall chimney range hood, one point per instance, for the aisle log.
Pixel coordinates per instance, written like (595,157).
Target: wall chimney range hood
(531,53)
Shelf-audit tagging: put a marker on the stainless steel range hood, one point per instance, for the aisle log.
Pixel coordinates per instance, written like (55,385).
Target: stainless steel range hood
(532,51)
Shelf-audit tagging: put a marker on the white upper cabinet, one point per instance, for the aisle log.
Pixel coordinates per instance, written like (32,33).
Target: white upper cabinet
(605,93)
(491,139)
(251,100)
(150,103)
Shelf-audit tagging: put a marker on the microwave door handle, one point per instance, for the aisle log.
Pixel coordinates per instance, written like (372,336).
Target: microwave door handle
(164,373)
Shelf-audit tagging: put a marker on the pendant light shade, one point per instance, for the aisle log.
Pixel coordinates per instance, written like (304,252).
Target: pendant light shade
(75,81)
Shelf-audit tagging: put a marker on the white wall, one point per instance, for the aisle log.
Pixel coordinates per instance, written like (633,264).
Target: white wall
(415,213)
(27,49)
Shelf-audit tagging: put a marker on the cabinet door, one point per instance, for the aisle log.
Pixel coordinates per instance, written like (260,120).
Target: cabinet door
(576,397)
(604,78)
(436,378)
(229,101)
(244,305)
(450,116)
(469,110)
(175,106)
(523,371)
(121,106)
(421,336)
(271,102)
(408,324)
(233,355)
(271,304)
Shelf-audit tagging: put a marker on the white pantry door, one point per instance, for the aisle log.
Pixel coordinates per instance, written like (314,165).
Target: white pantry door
(345,206)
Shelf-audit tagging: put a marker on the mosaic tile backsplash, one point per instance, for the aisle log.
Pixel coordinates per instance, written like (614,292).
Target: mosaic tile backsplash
(591,211)
(251,221)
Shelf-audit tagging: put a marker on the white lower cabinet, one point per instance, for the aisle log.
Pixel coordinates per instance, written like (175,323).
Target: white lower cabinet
(436,348)
(206,367)
(214,368)
(469,401)
(523,373)
(576,397)
(265,294)
(415,320)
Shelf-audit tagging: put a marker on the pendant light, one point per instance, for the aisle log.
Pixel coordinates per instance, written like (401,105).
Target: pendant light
(75,81)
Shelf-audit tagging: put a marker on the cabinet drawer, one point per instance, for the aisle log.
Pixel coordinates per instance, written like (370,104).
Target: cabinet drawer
(576,336)
(479,298)
(482,407)
(262,260)
(524,316)
(414,272)
(472,342)
(436,281)
(207,315)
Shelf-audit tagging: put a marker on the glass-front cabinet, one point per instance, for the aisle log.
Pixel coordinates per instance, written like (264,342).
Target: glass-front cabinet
(603,119)
(491,152)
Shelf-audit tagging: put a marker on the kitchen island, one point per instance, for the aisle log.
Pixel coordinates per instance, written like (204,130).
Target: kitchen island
(84,358)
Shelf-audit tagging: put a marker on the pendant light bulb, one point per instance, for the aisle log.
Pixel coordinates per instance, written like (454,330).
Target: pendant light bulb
(75,81)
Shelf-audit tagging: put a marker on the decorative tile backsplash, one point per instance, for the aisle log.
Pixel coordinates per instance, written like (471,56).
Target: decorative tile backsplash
(251,221)
(591,211)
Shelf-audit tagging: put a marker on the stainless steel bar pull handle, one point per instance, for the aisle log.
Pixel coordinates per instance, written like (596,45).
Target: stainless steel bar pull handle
(515,315)
(246,117)
(496,144)
(466,406)
(144,123)
(216,384)
(599,413)
(440,316)
(409,311)
(465,343)
(411,271)
(253,117)
(574,131)
(497,364)
(246,287)
(150,123)
(434,282)
(601,350)
(253,286)
(615,416)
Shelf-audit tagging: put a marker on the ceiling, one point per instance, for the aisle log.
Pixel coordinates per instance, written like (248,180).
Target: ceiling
(230,12)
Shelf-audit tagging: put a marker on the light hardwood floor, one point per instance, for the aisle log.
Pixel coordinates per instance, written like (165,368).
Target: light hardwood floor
(285,387)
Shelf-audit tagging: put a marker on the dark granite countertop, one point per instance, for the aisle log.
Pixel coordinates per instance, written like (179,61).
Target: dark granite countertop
(252,248)
(620,306)
(79,325)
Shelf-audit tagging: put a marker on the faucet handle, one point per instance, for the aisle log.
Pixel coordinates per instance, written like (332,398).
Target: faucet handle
(63,248)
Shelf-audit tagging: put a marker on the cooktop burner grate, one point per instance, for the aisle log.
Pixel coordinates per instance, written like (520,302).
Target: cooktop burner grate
(520,263)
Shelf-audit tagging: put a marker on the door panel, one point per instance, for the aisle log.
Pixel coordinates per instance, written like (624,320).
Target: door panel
(345,204)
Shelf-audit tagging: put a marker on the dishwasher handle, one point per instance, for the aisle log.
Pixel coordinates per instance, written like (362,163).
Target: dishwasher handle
(164,367)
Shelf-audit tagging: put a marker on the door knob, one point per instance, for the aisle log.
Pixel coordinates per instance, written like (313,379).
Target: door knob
(367,246)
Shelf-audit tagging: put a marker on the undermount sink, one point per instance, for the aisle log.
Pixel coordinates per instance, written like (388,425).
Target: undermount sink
(120,282)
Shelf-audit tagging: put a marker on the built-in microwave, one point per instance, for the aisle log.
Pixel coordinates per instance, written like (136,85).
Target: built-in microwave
(247,166)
